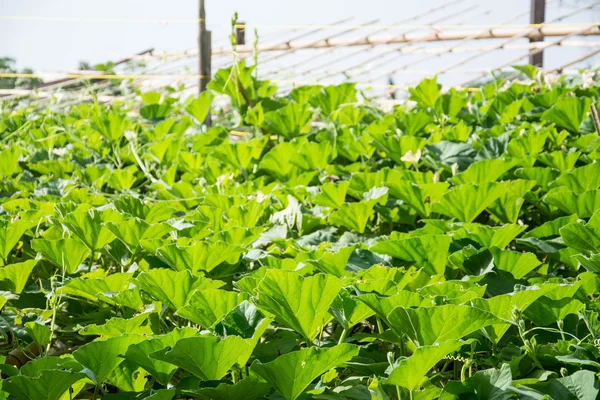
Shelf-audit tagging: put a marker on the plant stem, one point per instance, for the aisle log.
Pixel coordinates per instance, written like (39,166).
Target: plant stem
(379,325)
(343,336)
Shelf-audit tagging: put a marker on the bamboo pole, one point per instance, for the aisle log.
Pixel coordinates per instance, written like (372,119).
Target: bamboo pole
(354,52)
(494,33)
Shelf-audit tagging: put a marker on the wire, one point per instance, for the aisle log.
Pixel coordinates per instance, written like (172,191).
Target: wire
(103,76)
(283,26)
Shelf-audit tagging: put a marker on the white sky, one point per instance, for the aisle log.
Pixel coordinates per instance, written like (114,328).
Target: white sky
(48,46)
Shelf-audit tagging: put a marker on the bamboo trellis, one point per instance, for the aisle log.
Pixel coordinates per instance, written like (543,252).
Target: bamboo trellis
(371,53)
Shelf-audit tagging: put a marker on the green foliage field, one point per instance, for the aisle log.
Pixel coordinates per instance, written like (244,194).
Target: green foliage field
(305,246)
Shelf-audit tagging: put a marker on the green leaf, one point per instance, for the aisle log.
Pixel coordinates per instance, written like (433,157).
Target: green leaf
(199,106)
(487,236)
(41,334)
(332,194)
(87,226)
(200,256)
(580,180)
(508,207)
(568,113)
(91,289)
(491,383)
(66,253)
(383,305)
(49,385)
(288,121)
(563,161)
(428,325)
(207,357)
(466,202)
(207,307)
(171,287)
(244,320)
(584,205)
(300,303)
(426,93)
(118,326)
(516,263)
(102,357)
(418,196)
(291,373)
(545,311)
(410,371)
(330,98)
(139,353)
(429,252)
(580,237)
(16,275)
(581,385)
(133,230)
(312,156)
(10,234)
(348,311)
(503,306)
(484,171)
(353,216)
(248,388)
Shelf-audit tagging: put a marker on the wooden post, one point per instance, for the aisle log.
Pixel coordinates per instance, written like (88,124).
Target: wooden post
(537,16)
(204,53)
(240,33)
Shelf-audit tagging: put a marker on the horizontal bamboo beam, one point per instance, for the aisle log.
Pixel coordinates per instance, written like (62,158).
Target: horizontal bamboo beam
(437,36)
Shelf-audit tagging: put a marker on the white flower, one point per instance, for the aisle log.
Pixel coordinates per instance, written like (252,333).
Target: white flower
(436,177)
(130,135)
(551,79)
(454,169)
(411,157)
(62,151)
(587,79)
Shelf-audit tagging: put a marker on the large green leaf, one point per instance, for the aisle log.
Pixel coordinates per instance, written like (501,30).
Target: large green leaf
(484,171)
(10,234)
(248,388)
(49,385)
(207,307)
(568,113)
(580,180)
(200,256)
(353,216)
(429,252)
(466,202)
(429,325)
(207,357)
(88,226)
(66,253)
(199,106)
(410,371)
(584,204)
(298,302)
(14,277)
(171,287)
(102,357)
(139,353)
(291,373)
(288,121)
(133,230)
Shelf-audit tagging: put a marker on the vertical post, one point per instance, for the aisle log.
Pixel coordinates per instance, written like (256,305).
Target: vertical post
(240,33)
(204,53)
(537,16)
